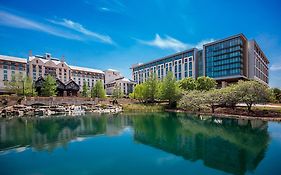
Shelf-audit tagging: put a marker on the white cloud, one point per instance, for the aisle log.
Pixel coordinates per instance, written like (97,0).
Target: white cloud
(201,43)
(105,9)
(275,67)
(171,43)
(81,29)
(165,43)
(11,20)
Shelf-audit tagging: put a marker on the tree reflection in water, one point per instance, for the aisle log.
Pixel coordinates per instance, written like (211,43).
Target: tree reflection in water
(233,146)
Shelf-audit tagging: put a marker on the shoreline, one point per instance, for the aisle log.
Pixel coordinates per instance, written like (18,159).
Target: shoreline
(231,116)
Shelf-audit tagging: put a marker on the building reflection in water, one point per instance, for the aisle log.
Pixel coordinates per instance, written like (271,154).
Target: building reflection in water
(233,146)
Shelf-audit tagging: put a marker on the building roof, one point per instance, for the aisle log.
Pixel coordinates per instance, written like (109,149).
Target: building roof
(86,69)
(162,58)
(44,60)
(225,39)
(14,59)
(123,79)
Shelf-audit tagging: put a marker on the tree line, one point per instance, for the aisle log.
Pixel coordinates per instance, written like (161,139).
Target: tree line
(202,93)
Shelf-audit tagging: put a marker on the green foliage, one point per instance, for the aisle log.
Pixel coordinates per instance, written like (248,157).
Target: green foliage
(21,86)
(277,94)
(248,92)
(253,92)
(117,92)
(188,84)
(201,84)
(151,88)
(49,87)
(192,100)
(138,92)
(85,90)
(170,89)
(98,90)
(205,83)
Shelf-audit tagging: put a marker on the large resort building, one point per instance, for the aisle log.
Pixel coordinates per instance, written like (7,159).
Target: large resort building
(70,79)
(227,60)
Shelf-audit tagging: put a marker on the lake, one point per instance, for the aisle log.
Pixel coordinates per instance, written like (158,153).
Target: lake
(138,144)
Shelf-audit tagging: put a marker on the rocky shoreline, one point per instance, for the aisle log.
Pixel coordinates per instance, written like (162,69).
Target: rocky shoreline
(73,110)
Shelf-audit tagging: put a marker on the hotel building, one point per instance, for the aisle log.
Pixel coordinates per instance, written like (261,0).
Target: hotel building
(41,66)
(114,79)
(227,60)
(70,79)
(9,67)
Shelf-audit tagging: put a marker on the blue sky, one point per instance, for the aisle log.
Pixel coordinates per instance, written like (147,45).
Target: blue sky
(118,33)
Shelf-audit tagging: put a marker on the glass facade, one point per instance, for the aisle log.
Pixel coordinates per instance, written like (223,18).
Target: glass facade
(224,58)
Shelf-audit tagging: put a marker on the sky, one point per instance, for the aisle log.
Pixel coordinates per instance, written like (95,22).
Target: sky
(115,34)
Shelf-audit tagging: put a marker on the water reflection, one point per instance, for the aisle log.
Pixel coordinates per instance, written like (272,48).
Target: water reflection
(233,146)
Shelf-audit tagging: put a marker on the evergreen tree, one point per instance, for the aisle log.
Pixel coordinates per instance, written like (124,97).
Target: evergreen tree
(170,89)
(85,90)
(98,90)
(49,87)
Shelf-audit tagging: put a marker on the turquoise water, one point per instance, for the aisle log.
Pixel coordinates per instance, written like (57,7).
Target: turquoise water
(139,143)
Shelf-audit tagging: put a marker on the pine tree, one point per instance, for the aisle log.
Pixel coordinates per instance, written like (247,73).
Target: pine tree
(49,87)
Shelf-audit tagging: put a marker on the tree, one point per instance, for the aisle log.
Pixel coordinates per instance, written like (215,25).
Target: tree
(192,100)
(205,83)
(117,92)
(212,98)
(138,92)
(188,84)
(98,90)
(253,92)
(20,85)
(170,89)
(151,88)
(277,94)
(49,86)
(85,90)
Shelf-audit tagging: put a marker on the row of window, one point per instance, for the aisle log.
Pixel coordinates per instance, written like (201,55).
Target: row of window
(224,44)
(228,72)
(224,51)
(164,61)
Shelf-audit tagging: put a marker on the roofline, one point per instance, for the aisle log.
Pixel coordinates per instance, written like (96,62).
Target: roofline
(21,60)
(225,39)
(94,70)
(162,58)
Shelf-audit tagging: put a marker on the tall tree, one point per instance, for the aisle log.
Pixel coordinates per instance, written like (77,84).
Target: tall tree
(85,90)
(138,92)
(151,88)
(170,89)
(117,92)
(49,87)
(98,90)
